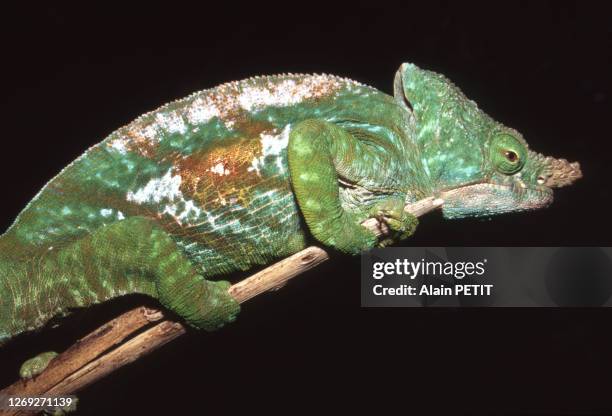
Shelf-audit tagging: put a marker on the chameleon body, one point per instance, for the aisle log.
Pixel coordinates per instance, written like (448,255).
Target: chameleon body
(252,171)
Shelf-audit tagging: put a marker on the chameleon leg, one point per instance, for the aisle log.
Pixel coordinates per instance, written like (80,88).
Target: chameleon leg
(203,304)
(319,152)
(147,255)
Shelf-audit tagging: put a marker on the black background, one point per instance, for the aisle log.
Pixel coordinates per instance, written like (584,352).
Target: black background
(75,74)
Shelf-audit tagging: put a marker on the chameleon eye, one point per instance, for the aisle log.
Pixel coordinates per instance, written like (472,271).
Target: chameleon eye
(508,154)
(511,156)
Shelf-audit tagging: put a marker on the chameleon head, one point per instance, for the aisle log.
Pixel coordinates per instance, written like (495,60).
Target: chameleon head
(475,165)
(514,179)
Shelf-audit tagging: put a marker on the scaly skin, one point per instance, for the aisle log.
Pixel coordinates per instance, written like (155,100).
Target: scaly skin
(247,173)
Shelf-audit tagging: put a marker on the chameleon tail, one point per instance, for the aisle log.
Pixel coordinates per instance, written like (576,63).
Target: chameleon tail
(31,292)
(9,302)
(50,282)
(6,308)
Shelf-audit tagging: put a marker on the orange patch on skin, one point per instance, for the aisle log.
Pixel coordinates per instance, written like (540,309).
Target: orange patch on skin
(220,175)
(142,145)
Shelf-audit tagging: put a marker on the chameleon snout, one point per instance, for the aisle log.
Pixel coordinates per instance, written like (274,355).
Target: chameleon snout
(559,172)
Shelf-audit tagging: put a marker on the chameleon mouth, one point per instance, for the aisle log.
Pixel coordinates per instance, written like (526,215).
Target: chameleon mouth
(513,194)
(486,199)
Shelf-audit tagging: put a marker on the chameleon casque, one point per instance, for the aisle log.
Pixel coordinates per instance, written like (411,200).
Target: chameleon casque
(249,172)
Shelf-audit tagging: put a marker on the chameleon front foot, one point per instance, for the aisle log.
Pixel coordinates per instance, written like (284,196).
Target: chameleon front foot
(398,223)
(34,366)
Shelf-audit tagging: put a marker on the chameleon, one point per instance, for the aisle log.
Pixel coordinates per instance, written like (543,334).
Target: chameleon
(248,172)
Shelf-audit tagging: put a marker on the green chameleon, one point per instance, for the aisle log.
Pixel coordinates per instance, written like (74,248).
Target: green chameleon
(249,172)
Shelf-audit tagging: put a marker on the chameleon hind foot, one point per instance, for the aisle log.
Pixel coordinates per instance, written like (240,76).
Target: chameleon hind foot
(34,366)
(209,306)
(203,304)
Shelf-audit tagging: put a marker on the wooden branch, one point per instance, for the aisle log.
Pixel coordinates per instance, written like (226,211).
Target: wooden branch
(135,334)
